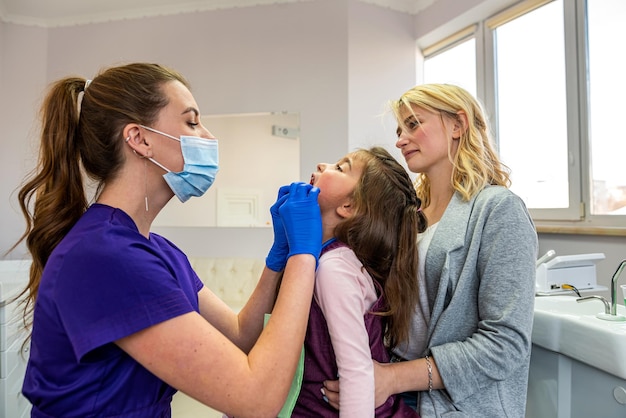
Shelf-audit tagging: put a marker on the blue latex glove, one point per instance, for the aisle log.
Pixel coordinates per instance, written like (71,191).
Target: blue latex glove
(277,257)
(302,220)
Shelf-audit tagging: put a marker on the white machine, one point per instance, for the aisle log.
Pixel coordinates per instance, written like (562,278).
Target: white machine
(577,270)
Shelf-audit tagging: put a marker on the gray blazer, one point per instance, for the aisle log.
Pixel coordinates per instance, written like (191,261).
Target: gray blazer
(480,271)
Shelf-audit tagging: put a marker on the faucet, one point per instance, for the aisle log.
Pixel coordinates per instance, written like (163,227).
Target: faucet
(610,311)
(614,286)
(607,307)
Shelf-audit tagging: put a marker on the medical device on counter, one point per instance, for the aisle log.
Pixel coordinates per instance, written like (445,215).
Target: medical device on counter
(578,271)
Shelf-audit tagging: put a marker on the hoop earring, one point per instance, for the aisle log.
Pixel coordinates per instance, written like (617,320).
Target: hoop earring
(145,176)
(134,151)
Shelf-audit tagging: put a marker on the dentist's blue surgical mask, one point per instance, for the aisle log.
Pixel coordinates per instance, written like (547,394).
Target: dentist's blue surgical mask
(200,157)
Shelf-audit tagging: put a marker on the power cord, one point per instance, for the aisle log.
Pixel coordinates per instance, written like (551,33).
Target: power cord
(571,287)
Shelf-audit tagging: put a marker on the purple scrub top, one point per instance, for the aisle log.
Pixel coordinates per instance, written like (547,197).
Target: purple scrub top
(104,281)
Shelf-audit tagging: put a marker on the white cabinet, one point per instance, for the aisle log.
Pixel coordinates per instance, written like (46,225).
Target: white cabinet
(13,278)
(561,387)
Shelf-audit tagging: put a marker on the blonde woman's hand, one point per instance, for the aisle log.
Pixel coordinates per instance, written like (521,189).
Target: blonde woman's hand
(384,377)
(330,392)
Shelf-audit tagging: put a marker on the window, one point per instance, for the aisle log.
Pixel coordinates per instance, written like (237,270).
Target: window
(531,94)
(605,27)
(456,65)
(551,83)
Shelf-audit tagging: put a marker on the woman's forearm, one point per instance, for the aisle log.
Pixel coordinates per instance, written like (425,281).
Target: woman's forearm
(242,328)
(261,301)
(412,375)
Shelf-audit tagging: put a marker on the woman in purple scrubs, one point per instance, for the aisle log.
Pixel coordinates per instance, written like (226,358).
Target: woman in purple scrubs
(120,321)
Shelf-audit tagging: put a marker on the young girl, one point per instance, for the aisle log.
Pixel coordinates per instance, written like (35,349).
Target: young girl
(366,282)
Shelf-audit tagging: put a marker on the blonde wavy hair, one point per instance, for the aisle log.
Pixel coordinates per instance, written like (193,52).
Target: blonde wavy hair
(476,162)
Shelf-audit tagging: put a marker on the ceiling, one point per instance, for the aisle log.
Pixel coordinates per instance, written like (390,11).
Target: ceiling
(47,13)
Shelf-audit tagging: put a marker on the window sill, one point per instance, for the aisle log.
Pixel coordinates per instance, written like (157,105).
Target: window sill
(551,228)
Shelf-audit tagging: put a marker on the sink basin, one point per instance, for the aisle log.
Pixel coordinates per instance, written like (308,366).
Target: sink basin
(565,326)
(567,305)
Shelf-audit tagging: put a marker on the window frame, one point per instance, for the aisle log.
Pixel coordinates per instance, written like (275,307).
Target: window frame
(576,218)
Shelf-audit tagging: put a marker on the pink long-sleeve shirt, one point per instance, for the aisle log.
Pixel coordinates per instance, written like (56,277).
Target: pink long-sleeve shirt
(345,292)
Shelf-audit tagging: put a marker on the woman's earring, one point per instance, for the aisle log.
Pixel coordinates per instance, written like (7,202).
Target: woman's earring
(145,176)
(126,141)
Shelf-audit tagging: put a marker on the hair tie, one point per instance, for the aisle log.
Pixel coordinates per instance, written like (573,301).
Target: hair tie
(81,94)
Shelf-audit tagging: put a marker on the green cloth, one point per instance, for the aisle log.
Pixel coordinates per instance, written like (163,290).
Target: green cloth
(296,383)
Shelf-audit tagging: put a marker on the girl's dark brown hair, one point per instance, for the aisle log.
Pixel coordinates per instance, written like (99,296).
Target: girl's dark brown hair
(383,234)
(82,136)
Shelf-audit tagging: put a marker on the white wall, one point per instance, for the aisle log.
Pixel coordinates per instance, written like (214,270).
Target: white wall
(291,57)
(336,62)
(381,66)
(446,17)
(22,79)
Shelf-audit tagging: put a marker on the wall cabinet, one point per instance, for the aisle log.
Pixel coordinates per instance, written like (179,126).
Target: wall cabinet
(13,358)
